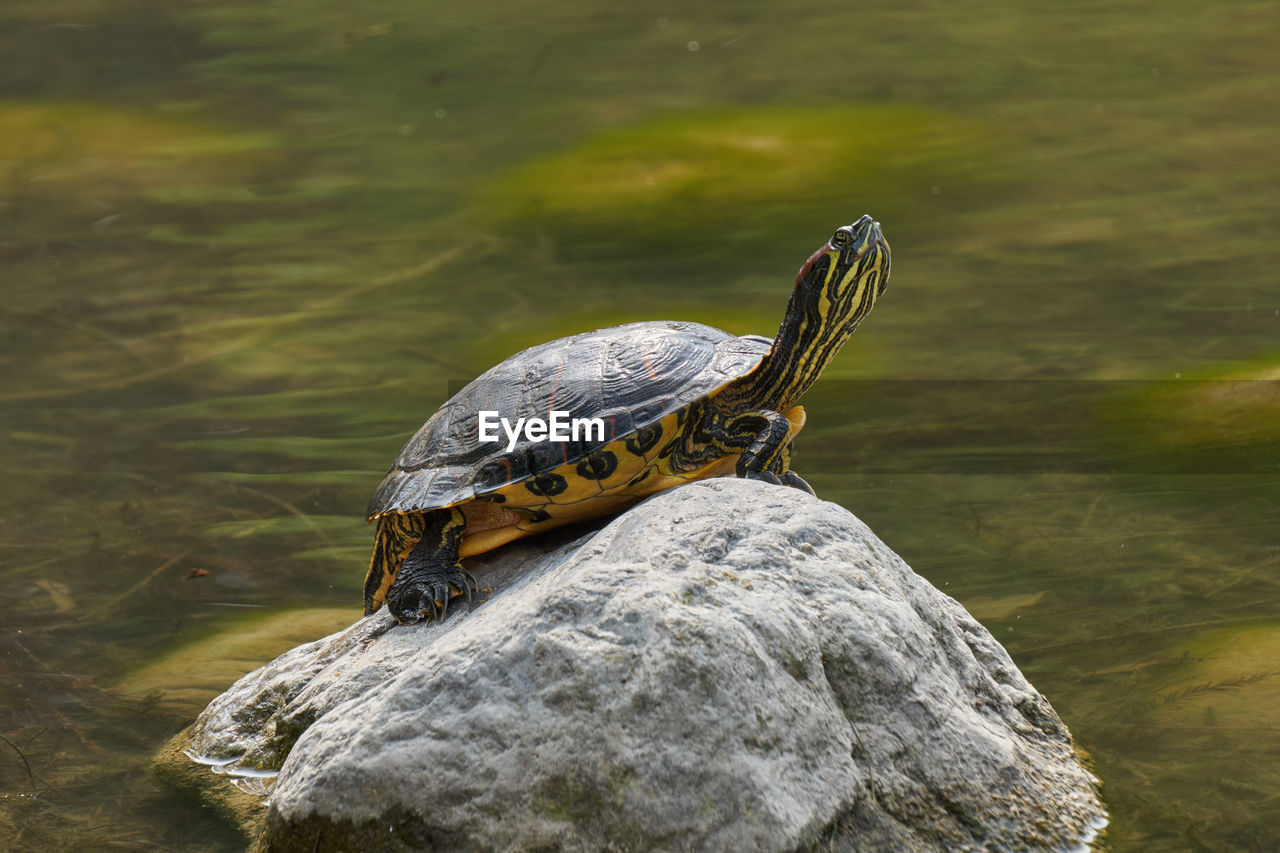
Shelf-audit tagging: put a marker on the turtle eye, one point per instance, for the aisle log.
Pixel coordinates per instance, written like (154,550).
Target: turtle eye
(840,239)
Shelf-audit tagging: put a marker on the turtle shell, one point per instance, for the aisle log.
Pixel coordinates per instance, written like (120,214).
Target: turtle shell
(628,376)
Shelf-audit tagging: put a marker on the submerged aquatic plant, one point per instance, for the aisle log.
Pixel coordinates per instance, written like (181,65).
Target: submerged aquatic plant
(732,176)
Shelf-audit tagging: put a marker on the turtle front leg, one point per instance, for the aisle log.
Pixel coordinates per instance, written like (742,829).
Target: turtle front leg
(767,433)
(432,571)
(768,456)
(761,439)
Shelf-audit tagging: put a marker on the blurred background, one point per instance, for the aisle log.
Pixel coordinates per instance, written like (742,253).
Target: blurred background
(246,248)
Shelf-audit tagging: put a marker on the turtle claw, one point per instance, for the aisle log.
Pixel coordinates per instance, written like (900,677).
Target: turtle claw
(765,477)
(425,600)
(426,596)
(462,585)
(795,481)
(434,602)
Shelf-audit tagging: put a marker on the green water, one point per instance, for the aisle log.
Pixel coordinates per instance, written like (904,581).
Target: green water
(246,248)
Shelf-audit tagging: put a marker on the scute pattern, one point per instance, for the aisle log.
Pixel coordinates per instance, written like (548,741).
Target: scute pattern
(629,376)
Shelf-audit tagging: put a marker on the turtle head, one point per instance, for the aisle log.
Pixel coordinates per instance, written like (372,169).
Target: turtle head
(835,289)
(840,282)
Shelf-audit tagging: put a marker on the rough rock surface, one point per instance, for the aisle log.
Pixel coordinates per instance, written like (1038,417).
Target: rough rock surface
(729,665)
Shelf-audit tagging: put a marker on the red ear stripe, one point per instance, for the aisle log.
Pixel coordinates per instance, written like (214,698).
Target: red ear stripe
(808,265)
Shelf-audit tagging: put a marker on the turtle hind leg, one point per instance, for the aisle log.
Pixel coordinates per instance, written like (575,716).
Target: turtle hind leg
(432,571)
(396,535)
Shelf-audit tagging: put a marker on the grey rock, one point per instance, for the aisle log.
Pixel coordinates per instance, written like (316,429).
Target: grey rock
(729,665)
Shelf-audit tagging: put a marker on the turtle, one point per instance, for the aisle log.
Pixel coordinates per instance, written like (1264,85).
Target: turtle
(672,401)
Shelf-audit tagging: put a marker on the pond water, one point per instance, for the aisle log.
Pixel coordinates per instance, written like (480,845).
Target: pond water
(246,249)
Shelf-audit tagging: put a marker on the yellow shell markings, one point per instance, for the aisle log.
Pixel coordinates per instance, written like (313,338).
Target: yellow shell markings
(491,524)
